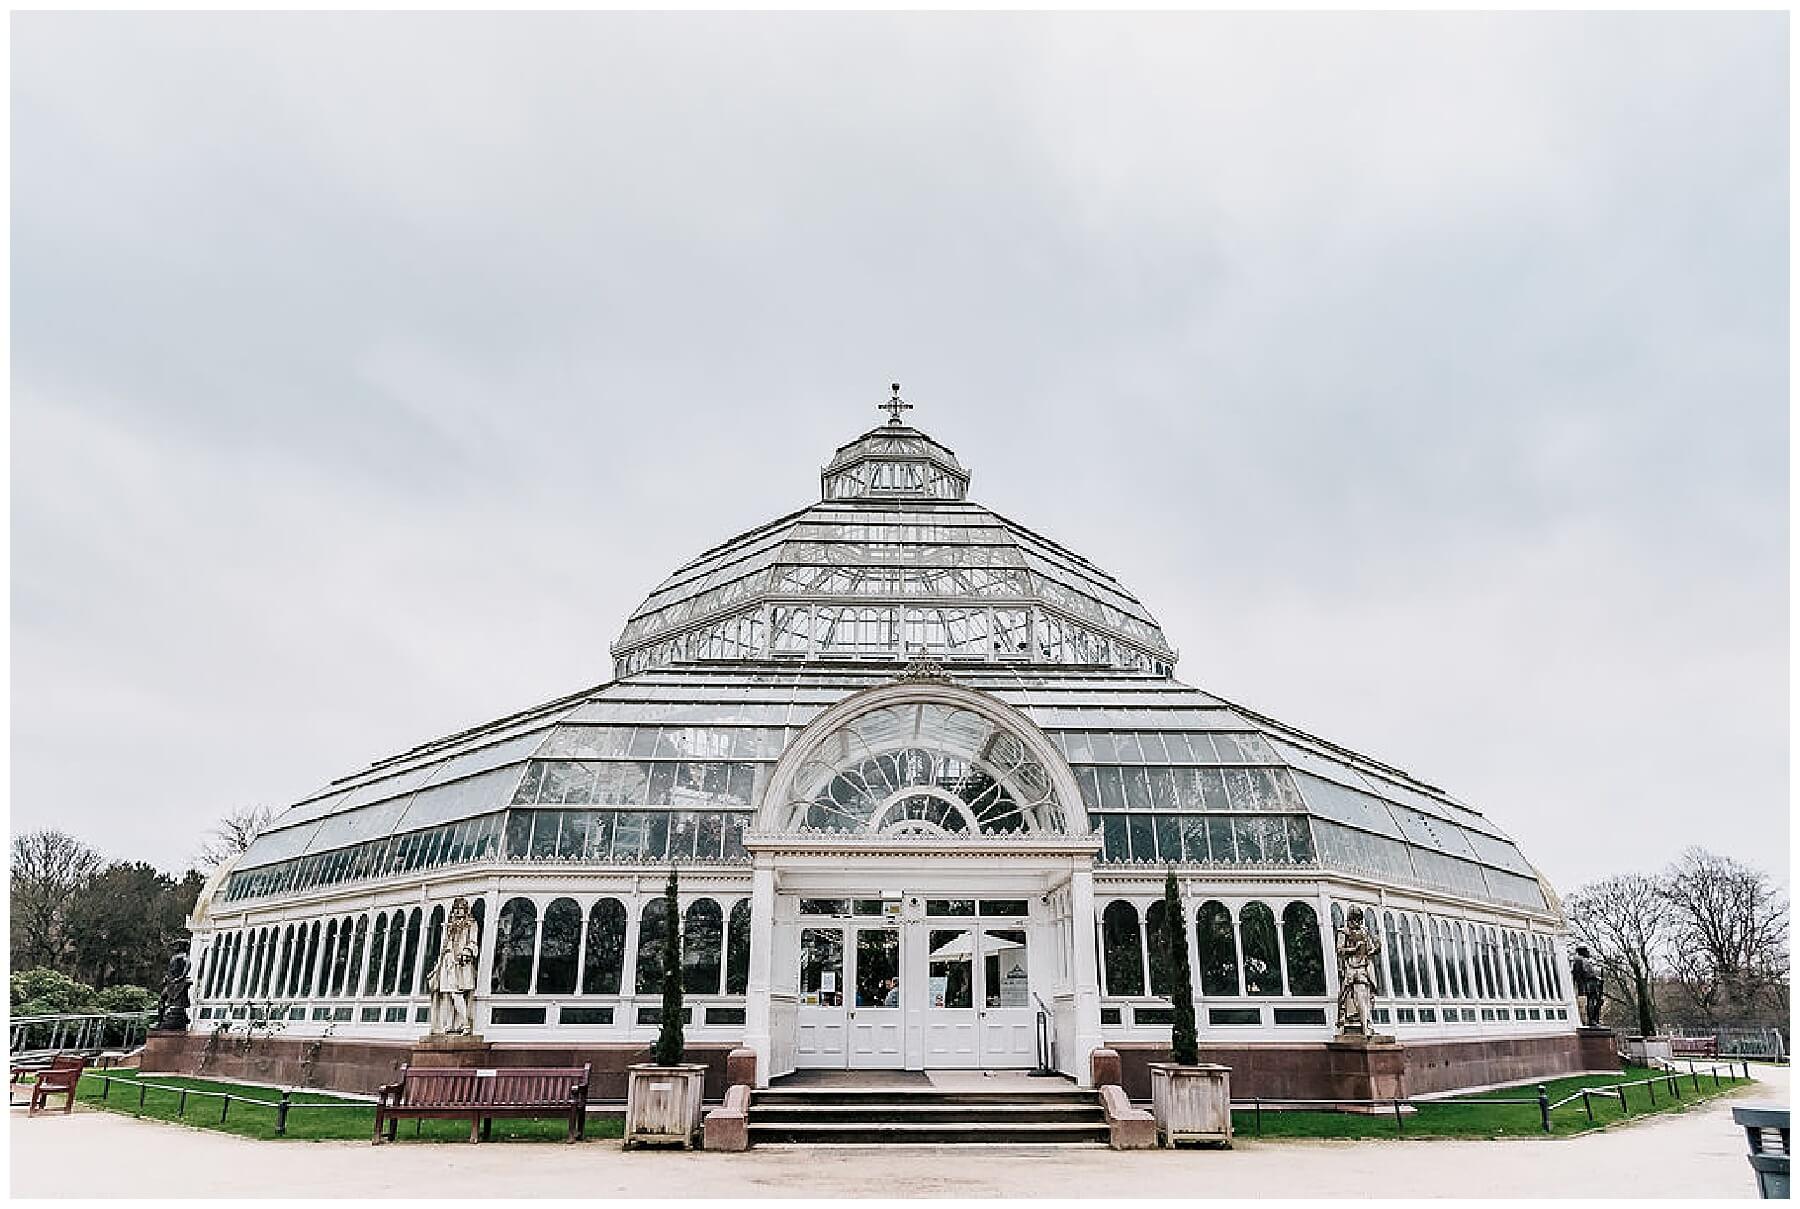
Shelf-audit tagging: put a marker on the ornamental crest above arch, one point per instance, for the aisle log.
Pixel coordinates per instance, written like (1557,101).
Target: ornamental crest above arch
(923,759)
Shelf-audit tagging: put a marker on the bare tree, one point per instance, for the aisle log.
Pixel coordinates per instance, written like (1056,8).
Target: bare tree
(1624,921)
(49,870)
(234,833)
(1729,932)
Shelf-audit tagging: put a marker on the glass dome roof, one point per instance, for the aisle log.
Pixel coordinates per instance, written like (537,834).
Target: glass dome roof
(893,563)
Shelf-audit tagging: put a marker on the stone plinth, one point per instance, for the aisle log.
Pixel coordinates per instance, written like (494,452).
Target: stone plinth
(1365,1068)
(461,1052)
(740,1068)
(1599,1048)
(1104,1067)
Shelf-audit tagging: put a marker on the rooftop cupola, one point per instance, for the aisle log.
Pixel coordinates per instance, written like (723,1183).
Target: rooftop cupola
(894,461)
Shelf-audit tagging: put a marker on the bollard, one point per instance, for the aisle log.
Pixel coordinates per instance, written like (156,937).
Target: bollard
(1544,1106)
(281,1114)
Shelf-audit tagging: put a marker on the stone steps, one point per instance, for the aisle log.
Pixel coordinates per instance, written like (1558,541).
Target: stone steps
(880,1116)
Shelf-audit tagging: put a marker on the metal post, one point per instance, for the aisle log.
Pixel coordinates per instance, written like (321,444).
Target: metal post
(1694,1075)
(142,1088)
(1651,1085)
(281,1113)
(1399,1121)
(1544,1106)
(1588,1104)
(224,1107)
(105,1086)
(1259,1116)
(181,1104)
(1674,1086)
(1623,1106)
(1715,1075)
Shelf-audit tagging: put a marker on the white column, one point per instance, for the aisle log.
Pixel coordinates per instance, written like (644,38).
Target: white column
(762,943)
(1086,973)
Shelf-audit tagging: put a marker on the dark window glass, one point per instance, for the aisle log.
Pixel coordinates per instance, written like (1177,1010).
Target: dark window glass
(585,1015)
(513,946)
(1122,948)
(409,958)
(1115,839)
(1217,941)
(558,946)
(949,906)
(1409,962)
(701,947)
(652,925)
(1396,979)
(1153,1015)
(518,834)
(1157,936)
(390,966)
(377,943)
(1234,1016)
(950,967)
(737,949)
(1305,951)
(1168,838)
(1005,906)
(354,968)
(517,1015)
(434,936)
(602,968)
(1262,956)
(1299,1015)
(724,1015)
(1143,837)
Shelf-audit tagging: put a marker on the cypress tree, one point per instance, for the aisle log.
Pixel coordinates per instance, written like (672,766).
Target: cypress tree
(1185,1040)
(670,1044)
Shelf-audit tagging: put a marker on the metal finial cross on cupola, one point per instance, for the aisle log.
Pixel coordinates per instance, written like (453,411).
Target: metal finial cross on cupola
(894,406)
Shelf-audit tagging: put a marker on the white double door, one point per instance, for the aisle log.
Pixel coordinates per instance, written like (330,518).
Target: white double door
(960,987)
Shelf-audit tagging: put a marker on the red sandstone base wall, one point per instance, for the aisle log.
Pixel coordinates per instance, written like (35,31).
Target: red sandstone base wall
(1310,1071)
(333,1064)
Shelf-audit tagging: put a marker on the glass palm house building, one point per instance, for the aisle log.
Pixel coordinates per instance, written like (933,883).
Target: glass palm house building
(923,771)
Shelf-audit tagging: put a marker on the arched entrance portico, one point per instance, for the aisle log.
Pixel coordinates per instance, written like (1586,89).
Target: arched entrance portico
(923,863)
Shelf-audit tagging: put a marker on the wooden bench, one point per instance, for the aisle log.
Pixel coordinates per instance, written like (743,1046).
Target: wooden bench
(482,1095)
(60,1078)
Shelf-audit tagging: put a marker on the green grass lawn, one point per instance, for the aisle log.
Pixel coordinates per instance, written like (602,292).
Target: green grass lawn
(1469,1117)
(343,1119)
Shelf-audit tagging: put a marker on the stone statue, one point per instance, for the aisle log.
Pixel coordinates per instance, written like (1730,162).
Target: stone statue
(452,980)
(172,1001)
(1590,985)
(1358,950)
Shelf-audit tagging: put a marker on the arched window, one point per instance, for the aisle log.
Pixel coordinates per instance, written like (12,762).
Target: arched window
(1422,946)
(1262,950)
(1554,954)
(703,939)
(377,955)
(653,924)
(1217,942)
(354,973)
(1122,949)
(1396,975)
(327,955)
(434,939)
(253,966)
(1409,960)
(1462,962)
(737,949)
(1539,968)
(292,941)
(604,963)
(1305,952)
(514,944)
(1444,988)
(557,949)
(390,955)
(1515,974)
(1484,944)
(409,956)
(340,960)
(297,967)
(1156,938)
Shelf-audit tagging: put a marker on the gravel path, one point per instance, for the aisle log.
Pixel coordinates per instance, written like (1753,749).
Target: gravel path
(97,1154)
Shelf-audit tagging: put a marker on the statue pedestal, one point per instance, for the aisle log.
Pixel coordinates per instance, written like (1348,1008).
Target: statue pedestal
(464,1051)
(1599,1048)
(1366,1067)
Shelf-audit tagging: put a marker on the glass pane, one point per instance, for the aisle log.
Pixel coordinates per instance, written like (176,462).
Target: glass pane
(1122,949)
(737,949)
(949,906)
(1305,951)
(602,967)
(1262,960)
(878,967)
(1005,968)
(822,966)
(701,948)
(513,947)
(951,968)
(1218,949)
(556,951)
(652,925)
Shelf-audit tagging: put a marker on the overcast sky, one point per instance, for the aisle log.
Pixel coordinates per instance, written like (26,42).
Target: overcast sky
(1425,375)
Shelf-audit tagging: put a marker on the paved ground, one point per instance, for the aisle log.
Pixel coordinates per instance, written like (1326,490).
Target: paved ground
(1693,1154)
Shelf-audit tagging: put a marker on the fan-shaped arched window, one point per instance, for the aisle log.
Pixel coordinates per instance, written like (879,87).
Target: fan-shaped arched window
(702,943)
(737,949)
(1217,941)
(1122,949)
(653,924)
(923,768)
(603,966)
(513,947)
(1305,950)
(557,948)
(1262,950)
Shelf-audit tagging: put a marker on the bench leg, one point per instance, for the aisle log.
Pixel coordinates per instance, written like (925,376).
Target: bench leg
(379,1122)
(487,1129)
(474,1129)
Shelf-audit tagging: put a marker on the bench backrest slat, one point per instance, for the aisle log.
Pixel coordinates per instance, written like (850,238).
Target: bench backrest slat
(502,1087)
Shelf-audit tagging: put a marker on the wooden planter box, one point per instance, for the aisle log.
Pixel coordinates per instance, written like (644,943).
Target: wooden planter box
(662,1104)
(1191,1103)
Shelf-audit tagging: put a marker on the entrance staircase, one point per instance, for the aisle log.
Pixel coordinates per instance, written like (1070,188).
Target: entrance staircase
(862,1116)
